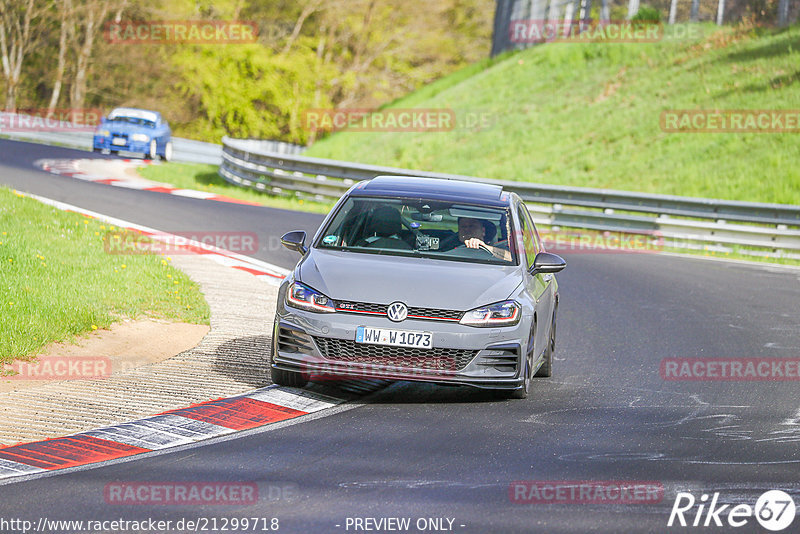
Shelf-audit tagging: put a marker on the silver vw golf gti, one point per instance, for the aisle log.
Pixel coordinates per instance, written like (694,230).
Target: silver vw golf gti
(422,279)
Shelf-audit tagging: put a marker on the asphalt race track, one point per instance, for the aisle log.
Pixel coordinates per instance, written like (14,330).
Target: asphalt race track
(425,452)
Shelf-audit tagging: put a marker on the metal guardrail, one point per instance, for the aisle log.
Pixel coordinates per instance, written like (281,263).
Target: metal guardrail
(681,222)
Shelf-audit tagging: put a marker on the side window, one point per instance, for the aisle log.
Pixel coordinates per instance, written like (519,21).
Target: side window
(528,239)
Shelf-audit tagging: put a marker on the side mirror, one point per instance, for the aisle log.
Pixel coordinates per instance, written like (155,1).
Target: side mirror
(295,241)
(545,262)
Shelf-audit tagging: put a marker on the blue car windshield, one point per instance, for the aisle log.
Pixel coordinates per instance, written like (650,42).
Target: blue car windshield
(133,120)
(432,229)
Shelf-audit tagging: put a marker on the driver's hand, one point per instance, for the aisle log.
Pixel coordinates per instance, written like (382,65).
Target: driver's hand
(474,242)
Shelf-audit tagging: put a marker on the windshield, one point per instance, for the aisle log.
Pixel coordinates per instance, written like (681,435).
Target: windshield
(133,120)
(433,229)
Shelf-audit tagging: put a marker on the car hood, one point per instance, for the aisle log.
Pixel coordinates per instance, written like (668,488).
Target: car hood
(128,129)
(419,282)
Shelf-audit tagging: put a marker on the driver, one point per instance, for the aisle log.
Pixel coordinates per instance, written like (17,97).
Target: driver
(472,233)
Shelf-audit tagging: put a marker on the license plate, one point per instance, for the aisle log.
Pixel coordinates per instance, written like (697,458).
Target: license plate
(394,338)
(118,141)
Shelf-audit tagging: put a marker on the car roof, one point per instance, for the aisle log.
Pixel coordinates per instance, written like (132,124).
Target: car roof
(432,189)
(135,113)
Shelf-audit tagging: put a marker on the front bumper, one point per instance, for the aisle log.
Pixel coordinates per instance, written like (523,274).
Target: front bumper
(106,143)
(322,346)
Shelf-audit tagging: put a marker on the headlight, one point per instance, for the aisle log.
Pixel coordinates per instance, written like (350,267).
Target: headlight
(103,133)
(140,137)
(305,298)
(505,313)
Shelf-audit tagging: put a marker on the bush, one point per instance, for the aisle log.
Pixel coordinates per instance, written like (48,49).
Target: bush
(647,14)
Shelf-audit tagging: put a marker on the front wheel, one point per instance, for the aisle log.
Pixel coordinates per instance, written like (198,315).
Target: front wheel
(288,378)
(152,152)
(168,151)
(546,370)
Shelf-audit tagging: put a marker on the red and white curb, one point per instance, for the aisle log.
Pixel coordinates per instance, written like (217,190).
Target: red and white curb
(261,269)
(169,429)
(72,168)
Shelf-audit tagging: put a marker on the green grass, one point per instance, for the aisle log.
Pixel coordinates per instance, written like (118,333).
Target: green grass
(57,282)
(203,177)
(586,114)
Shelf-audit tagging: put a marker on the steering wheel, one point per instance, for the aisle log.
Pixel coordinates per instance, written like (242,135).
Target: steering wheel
(462,247)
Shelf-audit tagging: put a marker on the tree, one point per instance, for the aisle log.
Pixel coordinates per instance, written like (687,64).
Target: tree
(633,8)
(93,14)
(695,10)
(20,26)
(783,12)
(65,19)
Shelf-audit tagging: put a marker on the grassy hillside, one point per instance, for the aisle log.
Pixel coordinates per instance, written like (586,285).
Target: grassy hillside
(588,115)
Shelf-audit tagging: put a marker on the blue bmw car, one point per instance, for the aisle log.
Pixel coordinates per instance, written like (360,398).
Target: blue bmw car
(134,130)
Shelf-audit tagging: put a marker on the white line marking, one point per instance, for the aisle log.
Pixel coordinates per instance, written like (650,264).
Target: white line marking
(306,401)
(159,432)
(10,468)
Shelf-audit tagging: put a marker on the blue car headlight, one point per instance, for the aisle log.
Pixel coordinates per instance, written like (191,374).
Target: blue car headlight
(305,298)
(505,313)
(103,133)
(140,138)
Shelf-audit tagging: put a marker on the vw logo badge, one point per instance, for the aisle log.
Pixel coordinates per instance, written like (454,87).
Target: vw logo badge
(397,312)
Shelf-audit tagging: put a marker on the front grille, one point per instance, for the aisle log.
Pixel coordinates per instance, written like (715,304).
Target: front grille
(435,359)
(435,314)
(431,314)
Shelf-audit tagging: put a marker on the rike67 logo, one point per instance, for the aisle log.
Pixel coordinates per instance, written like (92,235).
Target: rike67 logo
(774,510)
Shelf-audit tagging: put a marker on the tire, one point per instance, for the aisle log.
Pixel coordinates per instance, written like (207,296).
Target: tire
(546,370)
(288,378)
(153,151)
(168,151)
(279,376)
